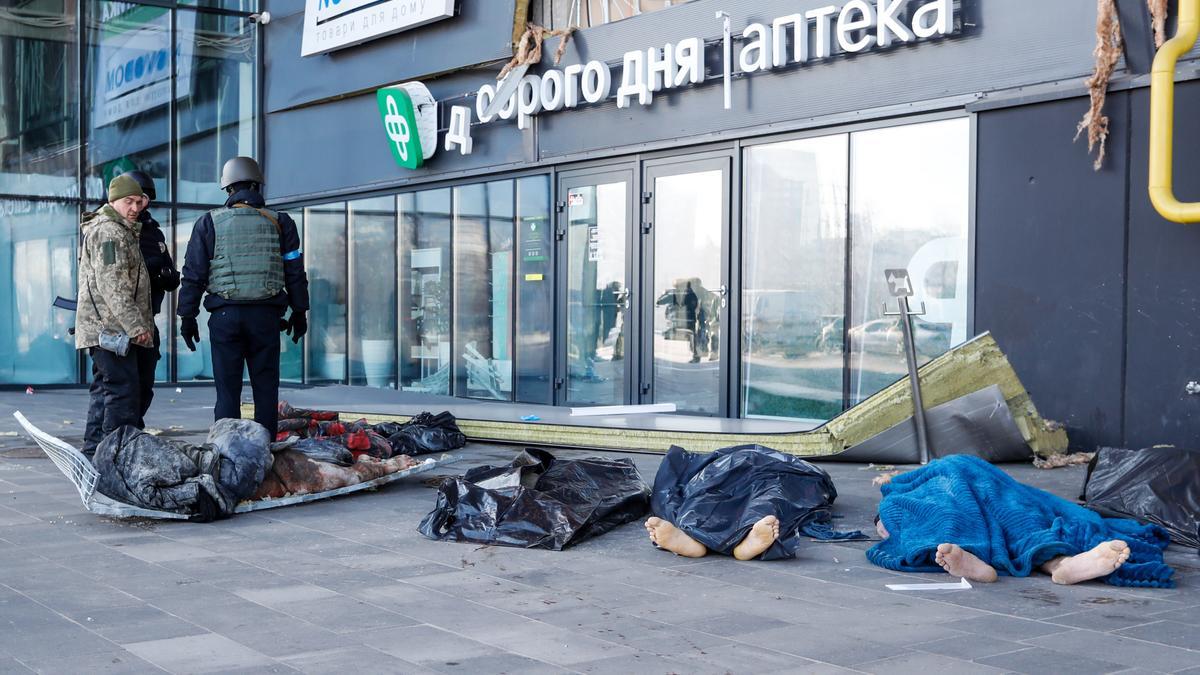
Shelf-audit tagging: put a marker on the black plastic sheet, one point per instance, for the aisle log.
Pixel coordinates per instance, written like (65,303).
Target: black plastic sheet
(426,433)
(325,450)
(538,501)
(716,498)
(1154,485)
(203,481)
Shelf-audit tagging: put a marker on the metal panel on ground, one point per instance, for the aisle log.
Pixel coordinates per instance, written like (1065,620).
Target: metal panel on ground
(1049,260)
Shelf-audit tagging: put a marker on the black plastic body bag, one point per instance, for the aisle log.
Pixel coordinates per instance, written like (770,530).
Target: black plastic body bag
(1154,485)
(716,498)
(538,501)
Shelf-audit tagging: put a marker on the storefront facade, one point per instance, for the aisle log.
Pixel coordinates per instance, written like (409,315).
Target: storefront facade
(721,246)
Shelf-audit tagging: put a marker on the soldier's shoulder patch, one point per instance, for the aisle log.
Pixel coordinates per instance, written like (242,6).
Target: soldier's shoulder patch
(162,247)
(108,252)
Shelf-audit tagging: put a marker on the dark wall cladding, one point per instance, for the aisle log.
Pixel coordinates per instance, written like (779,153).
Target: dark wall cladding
(341,146)
(1164,305)
(1012,42)
(480,32)
(1008,43)
(1050,260)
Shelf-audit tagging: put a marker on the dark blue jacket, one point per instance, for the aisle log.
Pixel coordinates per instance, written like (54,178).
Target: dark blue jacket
(164,278)
(200,252)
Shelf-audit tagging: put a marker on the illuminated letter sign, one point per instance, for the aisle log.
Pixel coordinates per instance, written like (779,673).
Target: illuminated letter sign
(409,114)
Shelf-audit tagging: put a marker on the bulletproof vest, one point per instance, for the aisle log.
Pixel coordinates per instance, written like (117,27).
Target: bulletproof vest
(246,263)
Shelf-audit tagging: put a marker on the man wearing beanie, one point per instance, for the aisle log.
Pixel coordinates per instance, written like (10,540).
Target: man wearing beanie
(164,278)
(113,304)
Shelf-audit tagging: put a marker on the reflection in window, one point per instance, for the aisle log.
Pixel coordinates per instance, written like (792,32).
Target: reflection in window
(793,298)
(373,292)
(424,300)
(215,87)
(483,265)
(39,102)
(535,294)
(291,354)
(127,92)
(37,244)
(191,365)
(597,294)
(325,262)
(908,210)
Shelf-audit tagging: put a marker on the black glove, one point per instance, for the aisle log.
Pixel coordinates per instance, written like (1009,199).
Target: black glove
(168,278)
(297,325)
(189,331)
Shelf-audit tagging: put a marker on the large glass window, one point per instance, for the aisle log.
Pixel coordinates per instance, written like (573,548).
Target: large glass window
(111,77)
(909,209)
(325,261)
(291,354)
(215,91)
(190,365)
(535,292)
(39,102)
(424,300)
(373,292)
(37,245)
(129,89)
(900,194)
(793,298)
(483,268)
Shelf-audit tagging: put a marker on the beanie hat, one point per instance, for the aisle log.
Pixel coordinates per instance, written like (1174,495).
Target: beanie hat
(123,186)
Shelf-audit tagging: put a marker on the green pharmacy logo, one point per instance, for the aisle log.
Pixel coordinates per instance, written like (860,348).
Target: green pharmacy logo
(400,123)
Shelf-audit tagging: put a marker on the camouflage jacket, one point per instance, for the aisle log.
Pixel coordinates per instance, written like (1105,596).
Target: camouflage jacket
(114,287)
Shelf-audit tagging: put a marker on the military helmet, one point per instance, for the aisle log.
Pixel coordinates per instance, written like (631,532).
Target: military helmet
(240,170)
(145,181)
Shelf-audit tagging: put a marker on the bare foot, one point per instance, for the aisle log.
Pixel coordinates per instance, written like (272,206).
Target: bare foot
(667,536)
(883,533)
(884,478)
(960,563)
(762,535)
(1101,561)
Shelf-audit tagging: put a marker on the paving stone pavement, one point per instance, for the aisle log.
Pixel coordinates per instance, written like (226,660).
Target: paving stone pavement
(348,585)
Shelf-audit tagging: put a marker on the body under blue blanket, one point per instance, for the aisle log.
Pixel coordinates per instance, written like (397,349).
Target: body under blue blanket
(1013,527)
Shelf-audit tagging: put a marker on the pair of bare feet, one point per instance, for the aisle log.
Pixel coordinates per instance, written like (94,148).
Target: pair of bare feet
(667,536)
(1101,561)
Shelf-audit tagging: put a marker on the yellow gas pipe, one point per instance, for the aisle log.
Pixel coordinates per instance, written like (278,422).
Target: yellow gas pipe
(1162,117)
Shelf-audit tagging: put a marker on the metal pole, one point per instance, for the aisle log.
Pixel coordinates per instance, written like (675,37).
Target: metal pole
(910,353)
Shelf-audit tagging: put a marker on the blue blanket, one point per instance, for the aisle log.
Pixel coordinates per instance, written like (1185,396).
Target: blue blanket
(1013,527)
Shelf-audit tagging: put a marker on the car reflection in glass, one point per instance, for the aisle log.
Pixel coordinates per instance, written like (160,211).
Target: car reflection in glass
(885,336)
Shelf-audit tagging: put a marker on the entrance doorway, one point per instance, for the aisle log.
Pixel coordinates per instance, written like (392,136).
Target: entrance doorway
(644,308)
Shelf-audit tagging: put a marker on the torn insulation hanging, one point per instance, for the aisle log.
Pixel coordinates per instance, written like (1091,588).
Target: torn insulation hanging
(1158,16)
(529,48)
(1107,53)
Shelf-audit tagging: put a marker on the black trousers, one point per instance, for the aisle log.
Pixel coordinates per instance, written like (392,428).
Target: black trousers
(120,393)
(246,336)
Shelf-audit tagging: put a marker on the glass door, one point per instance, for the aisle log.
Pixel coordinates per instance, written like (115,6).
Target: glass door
(685,223)
(595,217)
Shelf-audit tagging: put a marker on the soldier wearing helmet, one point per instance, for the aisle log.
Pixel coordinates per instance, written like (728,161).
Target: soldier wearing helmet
(245,261)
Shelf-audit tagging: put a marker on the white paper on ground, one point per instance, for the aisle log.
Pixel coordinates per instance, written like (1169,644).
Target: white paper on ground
(624,409)
(962,583)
